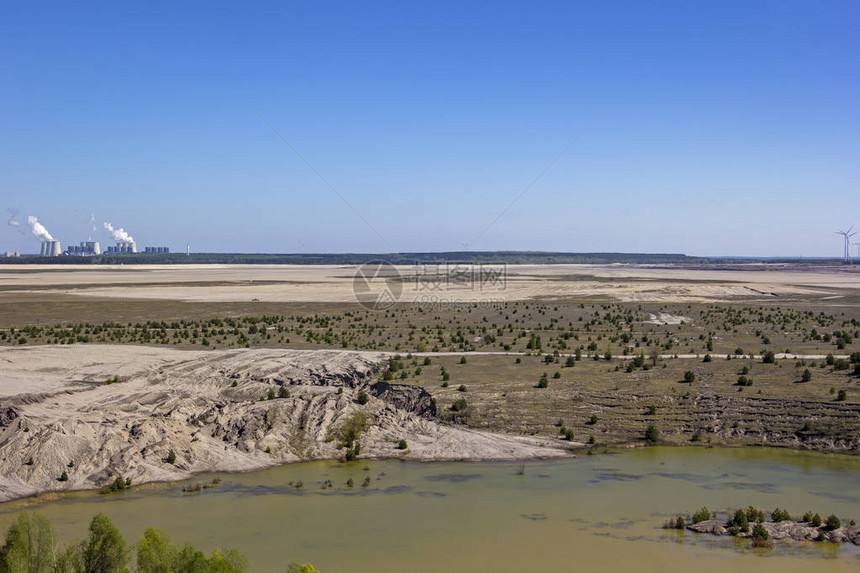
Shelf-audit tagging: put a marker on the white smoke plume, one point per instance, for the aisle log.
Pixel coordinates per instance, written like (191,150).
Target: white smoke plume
(119,235)
(93,221)
(38,229)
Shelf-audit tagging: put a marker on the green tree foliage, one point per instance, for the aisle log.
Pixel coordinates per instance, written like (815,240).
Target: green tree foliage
(104,550)
(303,568)
(689,376)
(362,398)
(652,434)
(30,546)
(739,521)
(780,515)
(806,376)
(833,522)
(703,514)
(171,457)
(760,536)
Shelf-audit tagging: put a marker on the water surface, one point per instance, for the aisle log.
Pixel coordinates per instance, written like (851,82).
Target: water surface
(602,512)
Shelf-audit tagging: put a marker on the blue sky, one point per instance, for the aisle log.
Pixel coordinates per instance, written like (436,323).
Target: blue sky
(723,128)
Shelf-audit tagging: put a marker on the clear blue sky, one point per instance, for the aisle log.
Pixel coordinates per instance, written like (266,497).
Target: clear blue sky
(724,127)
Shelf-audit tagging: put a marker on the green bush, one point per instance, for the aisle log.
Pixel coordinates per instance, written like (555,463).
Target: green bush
(362,397)
(689,376)
(816,520)
(459,405)
(806,376)
(402,445)
(833,523)
(171,457)
(739,522)
(703,514)
(780,515)
(652,435)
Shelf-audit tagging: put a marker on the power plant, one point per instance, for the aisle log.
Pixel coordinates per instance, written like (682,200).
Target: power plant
(123,247)
(86,248)
(52,248)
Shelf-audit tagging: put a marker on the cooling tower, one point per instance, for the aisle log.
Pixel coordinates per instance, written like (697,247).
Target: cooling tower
(54,250)
(43,249)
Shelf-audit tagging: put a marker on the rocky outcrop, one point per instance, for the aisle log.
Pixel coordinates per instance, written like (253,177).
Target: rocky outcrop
(409,398)
(784,531)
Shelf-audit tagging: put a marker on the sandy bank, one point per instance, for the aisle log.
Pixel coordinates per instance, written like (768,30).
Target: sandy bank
(59,413)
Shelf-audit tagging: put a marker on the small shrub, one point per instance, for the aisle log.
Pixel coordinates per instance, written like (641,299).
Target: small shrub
(707,358)
(463,360)
(816,520)
(64,476)
(362,397)
(592,420)
(780,515)
(689,376)
(703,514)
(841,396)
(283,392)
(739,522)
(462,388)
(760,537)
(832,522)
(568,435)
(652,434)
(402,445)
(679,523)
(171,457)
(459,405)
(806,376)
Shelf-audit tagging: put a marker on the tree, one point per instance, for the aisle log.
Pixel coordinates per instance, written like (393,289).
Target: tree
(652,434)
(760,536)
(689,376)
(104,550)
(155,552)
(171,457)
(739,521)
(303,568)
(230,561)
(30,546)
(283,392)
(833,522)
(363,398)
(841,396)
(768,357)
(806,376)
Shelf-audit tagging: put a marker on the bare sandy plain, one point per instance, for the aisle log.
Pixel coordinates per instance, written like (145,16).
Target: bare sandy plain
(301,283)
(59,413)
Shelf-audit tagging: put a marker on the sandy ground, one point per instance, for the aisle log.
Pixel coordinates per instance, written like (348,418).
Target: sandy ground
(57,413)
(304,283)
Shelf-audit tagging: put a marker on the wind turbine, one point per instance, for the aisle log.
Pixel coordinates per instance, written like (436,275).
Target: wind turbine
(847,236)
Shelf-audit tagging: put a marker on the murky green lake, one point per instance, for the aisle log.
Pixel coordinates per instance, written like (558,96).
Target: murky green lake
(597,513)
